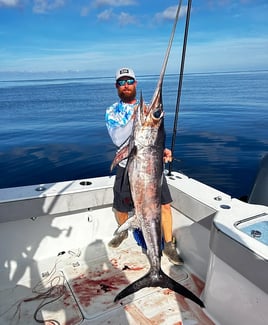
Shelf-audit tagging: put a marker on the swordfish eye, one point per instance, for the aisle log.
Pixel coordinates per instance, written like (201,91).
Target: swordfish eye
(157,113)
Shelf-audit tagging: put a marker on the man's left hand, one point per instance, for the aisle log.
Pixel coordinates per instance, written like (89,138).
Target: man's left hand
(167,155)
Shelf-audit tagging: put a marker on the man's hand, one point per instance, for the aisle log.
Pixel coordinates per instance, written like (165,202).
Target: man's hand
(167,155)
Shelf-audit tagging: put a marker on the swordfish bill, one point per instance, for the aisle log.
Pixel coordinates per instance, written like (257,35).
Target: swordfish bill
(145,171)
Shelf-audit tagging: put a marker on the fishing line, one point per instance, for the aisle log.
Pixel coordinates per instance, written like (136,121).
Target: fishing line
(56,290)
(180,82)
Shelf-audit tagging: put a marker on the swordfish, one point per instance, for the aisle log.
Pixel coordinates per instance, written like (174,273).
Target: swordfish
(144,151)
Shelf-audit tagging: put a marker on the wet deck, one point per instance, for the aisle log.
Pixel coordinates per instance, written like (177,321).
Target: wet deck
(79,287)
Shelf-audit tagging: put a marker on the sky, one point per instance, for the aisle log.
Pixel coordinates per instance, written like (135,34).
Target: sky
(45,38)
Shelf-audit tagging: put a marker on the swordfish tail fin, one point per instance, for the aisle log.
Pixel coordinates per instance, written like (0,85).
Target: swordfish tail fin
(161,280)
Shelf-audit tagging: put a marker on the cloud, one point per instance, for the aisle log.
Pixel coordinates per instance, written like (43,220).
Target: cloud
(108,13)
(126,19)
(114,3)
(9,3)
(228,55)
(105,15)
(170,13)
(221,55)
(122,18)
(84,11)
(43,6)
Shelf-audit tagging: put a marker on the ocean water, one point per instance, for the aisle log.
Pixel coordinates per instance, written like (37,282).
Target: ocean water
(54,130)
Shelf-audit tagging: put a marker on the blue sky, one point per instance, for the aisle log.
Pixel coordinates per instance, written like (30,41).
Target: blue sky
(94,38)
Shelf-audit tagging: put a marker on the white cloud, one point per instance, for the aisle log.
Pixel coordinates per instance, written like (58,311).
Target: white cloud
(123,18)
(9,3)
(114,3)
(105,15)
(126,19)
(43,6)
(170,13)
(146,53)
(230,54)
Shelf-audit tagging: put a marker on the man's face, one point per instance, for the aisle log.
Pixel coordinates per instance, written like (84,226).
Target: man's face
(126,92)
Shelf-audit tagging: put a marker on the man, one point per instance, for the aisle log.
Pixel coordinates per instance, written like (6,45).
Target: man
(119,122)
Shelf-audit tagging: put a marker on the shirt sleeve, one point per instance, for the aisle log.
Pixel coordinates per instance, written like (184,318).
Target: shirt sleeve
(119,122)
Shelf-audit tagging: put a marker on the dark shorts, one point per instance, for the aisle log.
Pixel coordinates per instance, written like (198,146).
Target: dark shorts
(122,196)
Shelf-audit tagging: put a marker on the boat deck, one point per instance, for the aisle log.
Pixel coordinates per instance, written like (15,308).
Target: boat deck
(80,285)
(57,269)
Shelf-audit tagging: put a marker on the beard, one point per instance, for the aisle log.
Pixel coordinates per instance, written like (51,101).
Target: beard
(127,95)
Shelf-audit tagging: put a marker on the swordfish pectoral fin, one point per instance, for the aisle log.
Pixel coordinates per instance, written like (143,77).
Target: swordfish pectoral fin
(124,152)
(131,223)
(163,281)
(121,154)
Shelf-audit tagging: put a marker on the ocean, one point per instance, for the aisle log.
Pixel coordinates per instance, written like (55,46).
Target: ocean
(54,130)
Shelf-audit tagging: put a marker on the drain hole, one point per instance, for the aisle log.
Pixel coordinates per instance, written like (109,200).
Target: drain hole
(225,206)
(40,188)
(255,233)
(85,183)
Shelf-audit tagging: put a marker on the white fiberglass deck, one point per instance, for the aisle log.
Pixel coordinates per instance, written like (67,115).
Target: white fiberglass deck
(56,267)
(79,286)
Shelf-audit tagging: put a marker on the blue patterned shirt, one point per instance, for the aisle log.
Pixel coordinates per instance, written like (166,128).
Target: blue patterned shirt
(119,121)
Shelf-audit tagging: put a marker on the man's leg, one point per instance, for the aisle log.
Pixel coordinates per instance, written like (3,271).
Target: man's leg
(121,217)
(170,242)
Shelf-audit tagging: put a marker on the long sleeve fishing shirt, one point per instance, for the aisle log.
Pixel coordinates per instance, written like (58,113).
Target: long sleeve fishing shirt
(119,123)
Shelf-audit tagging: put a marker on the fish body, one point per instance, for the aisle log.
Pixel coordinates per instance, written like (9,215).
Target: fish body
(144,151)
(145,172)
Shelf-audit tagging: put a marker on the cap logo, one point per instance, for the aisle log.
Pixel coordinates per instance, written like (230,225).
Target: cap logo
(124,71)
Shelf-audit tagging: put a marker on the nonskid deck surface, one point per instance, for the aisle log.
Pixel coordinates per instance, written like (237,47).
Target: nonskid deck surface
(79,286)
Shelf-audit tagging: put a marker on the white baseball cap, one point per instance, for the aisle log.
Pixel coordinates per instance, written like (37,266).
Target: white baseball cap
(124,72)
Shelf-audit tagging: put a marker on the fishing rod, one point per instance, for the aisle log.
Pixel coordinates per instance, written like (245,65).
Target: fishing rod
(180,82)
